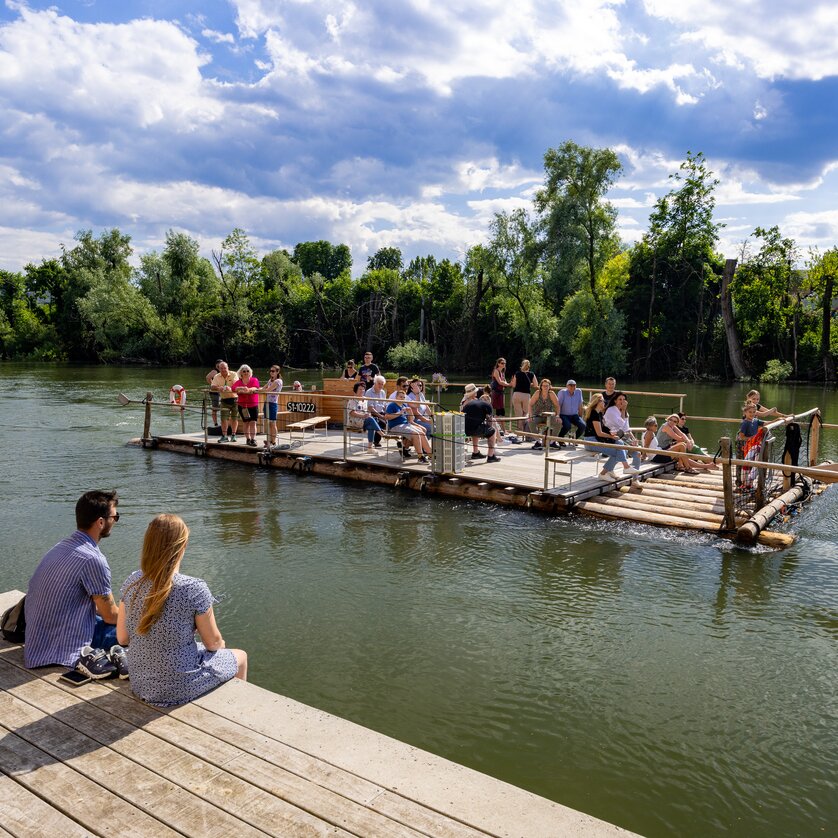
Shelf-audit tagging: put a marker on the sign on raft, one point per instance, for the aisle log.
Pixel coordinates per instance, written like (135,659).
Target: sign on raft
(301,407)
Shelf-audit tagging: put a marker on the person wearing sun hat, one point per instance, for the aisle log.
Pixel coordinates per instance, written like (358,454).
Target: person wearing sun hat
(477,423)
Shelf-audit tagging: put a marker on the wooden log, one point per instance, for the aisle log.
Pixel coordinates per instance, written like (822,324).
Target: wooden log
(676,487)
(814,438)
(642,516)
(750,530)
(653,491)
(149,398)
(629,502)
(715,508)
(727,484)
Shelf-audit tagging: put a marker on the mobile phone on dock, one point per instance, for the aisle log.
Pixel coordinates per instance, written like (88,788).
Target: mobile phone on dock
(74,677)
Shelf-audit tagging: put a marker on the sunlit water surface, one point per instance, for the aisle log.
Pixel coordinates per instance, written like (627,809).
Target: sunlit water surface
(668,683)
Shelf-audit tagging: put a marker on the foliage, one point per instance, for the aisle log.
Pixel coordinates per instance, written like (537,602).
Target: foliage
(592,330)
(776,370)
(578,224)
(412,355)
(551,282)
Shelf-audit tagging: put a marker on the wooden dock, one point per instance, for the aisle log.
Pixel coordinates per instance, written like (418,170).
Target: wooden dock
(240,761)
(659,496)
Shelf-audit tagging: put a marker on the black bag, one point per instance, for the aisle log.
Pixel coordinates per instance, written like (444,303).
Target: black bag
(13,623)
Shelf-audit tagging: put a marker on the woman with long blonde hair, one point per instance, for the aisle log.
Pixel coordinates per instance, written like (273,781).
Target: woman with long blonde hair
(160,611)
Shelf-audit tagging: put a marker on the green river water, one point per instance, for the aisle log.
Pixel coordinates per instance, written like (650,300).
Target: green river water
(666,682)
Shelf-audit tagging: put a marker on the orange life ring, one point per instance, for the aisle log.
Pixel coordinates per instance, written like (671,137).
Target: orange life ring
(177,395)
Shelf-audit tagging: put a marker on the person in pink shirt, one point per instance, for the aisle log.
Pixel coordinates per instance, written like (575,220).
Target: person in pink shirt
(247,389)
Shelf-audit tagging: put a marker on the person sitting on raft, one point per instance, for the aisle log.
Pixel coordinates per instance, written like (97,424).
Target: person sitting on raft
(671,438)
(419,406)
(478,419)
(399,414)
(544,401)
(650,440)
(597,431)
(617,421)
(358,416)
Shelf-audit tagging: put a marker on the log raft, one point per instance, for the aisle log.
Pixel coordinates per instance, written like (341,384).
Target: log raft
(662,497)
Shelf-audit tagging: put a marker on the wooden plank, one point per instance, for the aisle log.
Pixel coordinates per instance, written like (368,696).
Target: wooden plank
(269,765)
(684,488)
(654,491)
(28,816)
(90,803)
(634,502)
(149,793)
(286,805)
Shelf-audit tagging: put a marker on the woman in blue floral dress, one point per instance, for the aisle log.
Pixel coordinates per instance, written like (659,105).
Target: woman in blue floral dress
(160,612)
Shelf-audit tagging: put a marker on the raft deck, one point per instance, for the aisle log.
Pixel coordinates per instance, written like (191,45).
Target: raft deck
(243,761)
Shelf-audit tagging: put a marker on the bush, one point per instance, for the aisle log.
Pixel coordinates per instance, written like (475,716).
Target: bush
(413,355)
(776,370)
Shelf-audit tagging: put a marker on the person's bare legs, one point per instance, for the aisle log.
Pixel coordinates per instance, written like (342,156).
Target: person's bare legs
(241,660)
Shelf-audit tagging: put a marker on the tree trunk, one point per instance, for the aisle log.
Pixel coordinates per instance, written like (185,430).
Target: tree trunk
(651,315)
(734,347)
(826,327)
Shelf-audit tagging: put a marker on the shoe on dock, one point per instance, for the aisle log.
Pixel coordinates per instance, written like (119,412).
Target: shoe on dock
(493,459)
(95,663)
(477,455)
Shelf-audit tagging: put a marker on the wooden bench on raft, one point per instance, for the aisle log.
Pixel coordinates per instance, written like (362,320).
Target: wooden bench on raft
(387,436)
(561,460)
(310,424)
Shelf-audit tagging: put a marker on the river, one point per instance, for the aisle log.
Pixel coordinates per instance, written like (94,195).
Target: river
(665,682)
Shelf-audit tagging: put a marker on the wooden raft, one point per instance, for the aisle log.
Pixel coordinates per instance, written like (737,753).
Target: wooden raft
(664,498)
(240,761)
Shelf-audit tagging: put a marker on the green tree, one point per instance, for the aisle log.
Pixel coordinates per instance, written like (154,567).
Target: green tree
(823,271)
(767,299)
(577,223)
(386,257)
(671,298)
(321,257)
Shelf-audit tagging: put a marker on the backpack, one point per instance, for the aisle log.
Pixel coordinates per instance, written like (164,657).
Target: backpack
(13,623)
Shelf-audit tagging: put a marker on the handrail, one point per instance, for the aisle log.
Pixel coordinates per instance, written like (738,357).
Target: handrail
(785,420)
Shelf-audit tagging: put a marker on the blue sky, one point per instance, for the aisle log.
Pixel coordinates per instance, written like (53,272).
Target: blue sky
(406,124)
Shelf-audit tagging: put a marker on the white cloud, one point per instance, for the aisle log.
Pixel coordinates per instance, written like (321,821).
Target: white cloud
(794,39)
(139,74)
(445,43)
(218,37)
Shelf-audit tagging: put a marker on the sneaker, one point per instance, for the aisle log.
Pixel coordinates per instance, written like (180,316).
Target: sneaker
(608,475)
(251,442)
(423,459)
(232,437)
(378,445)
(95,663)
(630,470)
(223,439)
(537,446)
(119,659)
(556,445)
(477,456)
(493,459)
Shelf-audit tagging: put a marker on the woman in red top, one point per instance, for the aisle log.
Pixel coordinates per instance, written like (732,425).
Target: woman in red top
(247,389)
(499,385)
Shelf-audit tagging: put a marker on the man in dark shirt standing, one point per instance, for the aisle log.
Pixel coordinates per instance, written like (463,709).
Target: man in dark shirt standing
(368,370)
(477,425)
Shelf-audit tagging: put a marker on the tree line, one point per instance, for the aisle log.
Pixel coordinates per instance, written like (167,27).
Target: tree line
(552,283)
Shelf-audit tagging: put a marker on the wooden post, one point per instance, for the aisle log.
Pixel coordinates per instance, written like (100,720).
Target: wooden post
(206,421)
(182,420)
(727,484)
(814,438)
(149,398)
(764,457)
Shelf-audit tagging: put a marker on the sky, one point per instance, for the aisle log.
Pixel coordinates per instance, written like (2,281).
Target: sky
(403,123)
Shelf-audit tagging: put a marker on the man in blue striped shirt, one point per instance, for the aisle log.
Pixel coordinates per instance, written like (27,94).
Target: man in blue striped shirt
(69,603)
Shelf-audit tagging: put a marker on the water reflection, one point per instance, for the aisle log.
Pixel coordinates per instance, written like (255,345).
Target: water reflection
(661,680)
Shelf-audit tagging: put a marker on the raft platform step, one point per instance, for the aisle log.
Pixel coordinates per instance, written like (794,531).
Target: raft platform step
(243,761)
